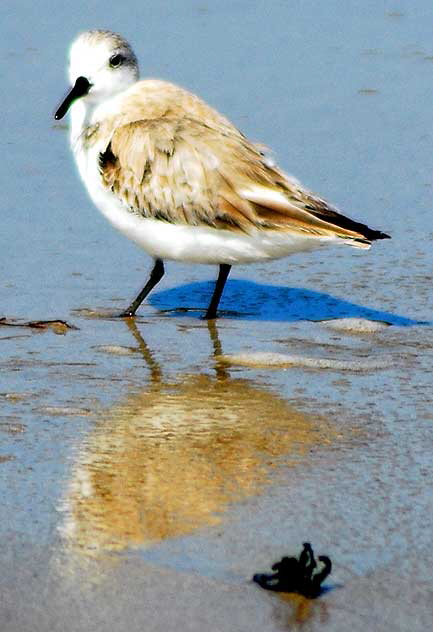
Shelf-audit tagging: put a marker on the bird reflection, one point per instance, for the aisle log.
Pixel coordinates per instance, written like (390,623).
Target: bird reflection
(172,458)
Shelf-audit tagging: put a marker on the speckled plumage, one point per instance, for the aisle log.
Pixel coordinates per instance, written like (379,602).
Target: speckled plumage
(169,156)
(177,177)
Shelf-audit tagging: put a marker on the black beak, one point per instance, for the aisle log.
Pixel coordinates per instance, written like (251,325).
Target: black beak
(80,89)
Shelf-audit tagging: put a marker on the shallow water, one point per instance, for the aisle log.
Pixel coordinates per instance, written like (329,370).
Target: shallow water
(174,459)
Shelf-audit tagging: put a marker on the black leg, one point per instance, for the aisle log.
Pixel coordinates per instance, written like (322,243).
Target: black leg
(219,286)
(155,276)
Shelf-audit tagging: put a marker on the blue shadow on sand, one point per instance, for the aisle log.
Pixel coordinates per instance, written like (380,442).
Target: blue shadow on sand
(254,301)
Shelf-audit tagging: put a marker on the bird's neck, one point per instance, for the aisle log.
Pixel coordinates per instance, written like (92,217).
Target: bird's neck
(81,132)
(81,115)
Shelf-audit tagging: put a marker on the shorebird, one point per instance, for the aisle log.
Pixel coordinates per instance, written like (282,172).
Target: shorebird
(178,178)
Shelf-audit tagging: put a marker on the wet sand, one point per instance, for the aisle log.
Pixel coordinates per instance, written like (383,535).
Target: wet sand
(150,468)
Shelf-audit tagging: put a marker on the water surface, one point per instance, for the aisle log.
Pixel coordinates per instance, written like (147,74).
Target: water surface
(145,478)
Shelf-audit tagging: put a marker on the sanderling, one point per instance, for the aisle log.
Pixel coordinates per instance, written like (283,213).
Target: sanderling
(178,178)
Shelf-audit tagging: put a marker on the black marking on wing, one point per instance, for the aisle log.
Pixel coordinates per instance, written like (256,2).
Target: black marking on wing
(331,216)
(107,158)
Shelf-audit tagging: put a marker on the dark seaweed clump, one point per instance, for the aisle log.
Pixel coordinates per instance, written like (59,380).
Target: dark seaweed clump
(297,574)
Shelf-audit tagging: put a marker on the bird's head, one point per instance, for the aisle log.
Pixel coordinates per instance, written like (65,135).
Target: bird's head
(101,65)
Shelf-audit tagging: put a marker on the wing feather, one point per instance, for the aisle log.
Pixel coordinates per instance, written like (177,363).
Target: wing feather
(182,170)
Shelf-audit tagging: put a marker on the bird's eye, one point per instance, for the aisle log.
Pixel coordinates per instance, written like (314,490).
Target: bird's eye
(116,60)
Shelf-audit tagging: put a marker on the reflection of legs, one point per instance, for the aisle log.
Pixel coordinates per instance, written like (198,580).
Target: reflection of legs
(154,368)
(155,276)
(221,370)
(219,287)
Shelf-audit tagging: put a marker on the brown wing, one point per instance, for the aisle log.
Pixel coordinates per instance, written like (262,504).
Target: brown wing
(181,170)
